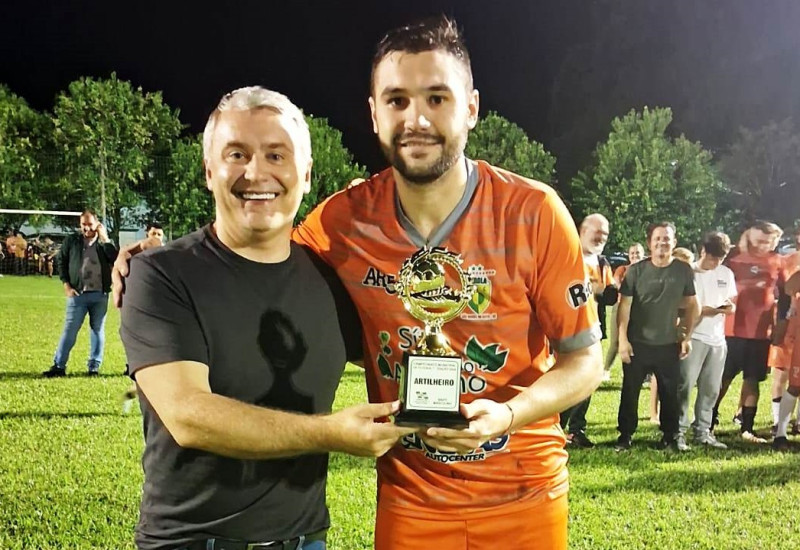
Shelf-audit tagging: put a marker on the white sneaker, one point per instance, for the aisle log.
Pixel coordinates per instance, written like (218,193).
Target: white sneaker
(606,376)
(752,438)
(127,405)
(710,441)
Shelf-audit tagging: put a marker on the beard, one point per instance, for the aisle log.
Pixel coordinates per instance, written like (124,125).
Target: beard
(597,248)
(433,170)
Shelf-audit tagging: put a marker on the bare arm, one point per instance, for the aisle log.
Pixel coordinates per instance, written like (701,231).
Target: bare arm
(728,308)
(574,377)
(690,306)
(623,319)
(199,419)
(571,380)
(691,315)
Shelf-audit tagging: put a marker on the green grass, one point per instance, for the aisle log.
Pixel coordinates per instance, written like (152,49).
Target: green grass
(70,474)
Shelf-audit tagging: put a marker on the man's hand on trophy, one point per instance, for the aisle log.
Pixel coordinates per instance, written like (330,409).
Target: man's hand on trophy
(487,420)
(354,430)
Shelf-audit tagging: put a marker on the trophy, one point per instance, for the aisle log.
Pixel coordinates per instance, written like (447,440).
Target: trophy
(430,379)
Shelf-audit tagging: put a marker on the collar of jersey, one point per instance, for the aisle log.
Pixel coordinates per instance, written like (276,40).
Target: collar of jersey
(441,233)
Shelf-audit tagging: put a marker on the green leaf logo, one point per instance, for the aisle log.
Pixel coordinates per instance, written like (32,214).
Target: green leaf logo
(490,358)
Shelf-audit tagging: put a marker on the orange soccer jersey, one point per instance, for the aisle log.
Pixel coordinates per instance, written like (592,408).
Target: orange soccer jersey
(598,274)
(520,248)
(780,356)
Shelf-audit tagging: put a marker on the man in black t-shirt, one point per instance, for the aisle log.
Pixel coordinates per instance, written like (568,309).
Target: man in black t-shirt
(237,339)
(650,338)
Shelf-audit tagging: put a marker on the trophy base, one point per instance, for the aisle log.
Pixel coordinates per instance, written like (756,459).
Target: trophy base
(439,419)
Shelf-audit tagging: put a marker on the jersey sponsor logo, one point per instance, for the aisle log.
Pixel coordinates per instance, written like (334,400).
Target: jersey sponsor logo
(478,359)
(482,297)
(383,361)
(378,279)
(578,293)
(754,269)
(489,358)
(412,442)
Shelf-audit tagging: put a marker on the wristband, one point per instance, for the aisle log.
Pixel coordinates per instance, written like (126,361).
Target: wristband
(508,430)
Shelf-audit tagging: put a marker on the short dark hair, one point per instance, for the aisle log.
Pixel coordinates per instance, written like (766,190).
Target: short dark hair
(88,212)
(153,225)
(653,226)
(717,244)
(434,33)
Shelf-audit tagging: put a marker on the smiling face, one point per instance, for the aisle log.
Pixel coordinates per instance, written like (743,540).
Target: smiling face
(635,253)
(89,225)
(662,241)
(256,172)
(422,108)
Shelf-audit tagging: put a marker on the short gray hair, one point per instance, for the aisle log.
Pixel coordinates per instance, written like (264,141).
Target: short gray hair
(257,97)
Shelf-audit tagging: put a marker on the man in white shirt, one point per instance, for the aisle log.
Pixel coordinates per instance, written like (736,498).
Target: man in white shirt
(716,291)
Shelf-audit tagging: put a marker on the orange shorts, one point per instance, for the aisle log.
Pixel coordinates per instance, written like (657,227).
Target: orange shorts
(780,356)
(538,526)
(794,377)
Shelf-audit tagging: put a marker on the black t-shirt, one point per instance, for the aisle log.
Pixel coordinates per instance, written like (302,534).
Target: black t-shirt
(657,293)
(275,335)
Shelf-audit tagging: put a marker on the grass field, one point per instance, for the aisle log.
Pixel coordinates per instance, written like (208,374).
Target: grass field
(70,474)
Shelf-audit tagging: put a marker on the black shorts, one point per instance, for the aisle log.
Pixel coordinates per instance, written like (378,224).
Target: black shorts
(747,356)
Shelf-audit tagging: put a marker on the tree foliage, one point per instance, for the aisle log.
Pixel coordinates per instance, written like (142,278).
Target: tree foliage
(179,198)
(641,175)
(715,69)
(108,132)
(762,172)
(333,165)
(502,143)
(24,142)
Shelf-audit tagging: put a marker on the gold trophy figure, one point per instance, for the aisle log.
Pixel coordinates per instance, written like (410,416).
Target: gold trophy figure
(430,380)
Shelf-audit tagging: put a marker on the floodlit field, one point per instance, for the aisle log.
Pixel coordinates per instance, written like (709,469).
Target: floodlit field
(70,474)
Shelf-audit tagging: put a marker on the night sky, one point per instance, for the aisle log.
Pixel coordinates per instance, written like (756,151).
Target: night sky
(560,69)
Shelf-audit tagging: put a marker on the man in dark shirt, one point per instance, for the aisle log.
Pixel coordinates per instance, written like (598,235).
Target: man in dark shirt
(85,261)
(236,339)
(650,338)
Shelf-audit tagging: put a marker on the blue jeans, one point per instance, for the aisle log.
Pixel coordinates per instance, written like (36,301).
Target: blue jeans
(96,305)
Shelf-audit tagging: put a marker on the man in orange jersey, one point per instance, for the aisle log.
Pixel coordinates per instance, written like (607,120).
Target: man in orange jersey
(759,272)
(502,481)
(789,398)
(780,352)
(593,232)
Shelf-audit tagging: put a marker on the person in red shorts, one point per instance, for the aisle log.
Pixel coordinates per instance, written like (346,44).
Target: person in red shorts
(758,271)
(502,481)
